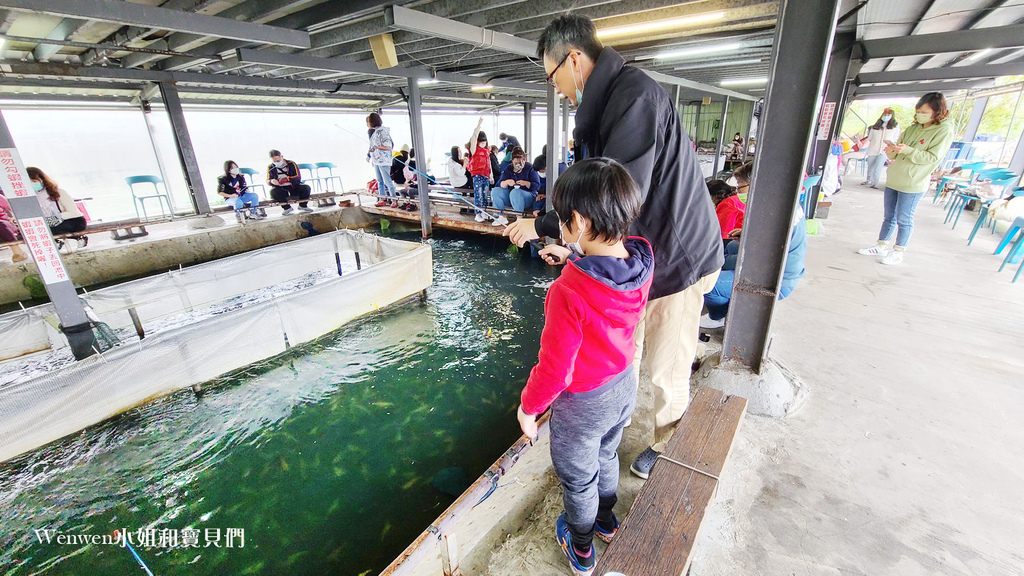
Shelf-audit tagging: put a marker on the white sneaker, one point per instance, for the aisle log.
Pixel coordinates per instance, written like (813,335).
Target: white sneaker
(480,217)
(893,258)
(499,221)
(708,324)
(287,211)
(875,250)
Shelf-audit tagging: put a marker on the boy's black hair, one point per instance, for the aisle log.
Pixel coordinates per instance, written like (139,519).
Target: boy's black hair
(276,153)
(540,163)
(719,190)
(603,192)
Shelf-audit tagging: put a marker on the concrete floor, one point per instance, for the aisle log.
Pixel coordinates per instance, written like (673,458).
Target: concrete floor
(907,457)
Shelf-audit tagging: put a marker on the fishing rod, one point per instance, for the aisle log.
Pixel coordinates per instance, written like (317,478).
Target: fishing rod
(117,536)
(499,219)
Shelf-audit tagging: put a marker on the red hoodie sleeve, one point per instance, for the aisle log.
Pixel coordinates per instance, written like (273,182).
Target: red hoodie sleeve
(559,344)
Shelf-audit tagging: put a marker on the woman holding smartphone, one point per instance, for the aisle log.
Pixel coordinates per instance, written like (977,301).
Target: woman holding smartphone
(914,157)
(882,133)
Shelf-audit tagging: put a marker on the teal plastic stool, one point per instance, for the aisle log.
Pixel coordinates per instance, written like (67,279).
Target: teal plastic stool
(331,176)
(973,168)
(312,180)
(140,197)
(1017,250)
(250,176)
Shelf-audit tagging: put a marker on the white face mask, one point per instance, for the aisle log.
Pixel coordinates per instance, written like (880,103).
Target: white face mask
(886,118)
(732,182)
(923,117)
(233,171)
(573,247)
(518,167)
(279,163)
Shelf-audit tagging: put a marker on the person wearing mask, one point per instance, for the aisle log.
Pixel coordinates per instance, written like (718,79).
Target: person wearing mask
(884,130)
(625,115)
(728,208)
(398,165)
(380,157)
(914,157)
(495,165)
(9,230)
(286,183)
(518,186)
(508,143)
(232,188)
(540,164)
(458,176)
(59,209)
(480,168)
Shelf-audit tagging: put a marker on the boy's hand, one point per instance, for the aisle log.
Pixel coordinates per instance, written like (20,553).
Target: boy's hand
(528,423)
(555,254)
(736,233)
(521,231)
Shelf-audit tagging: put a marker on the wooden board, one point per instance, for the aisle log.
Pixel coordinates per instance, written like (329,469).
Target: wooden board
(657,535)
(443,216)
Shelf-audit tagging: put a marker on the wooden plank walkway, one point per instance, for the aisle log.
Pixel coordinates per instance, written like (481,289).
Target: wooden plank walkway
(444,214)
(658,534)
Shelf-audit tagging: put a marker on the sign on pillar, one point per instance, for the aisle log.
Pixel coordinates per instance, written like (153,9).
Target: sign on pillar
(14,173)
(828,111)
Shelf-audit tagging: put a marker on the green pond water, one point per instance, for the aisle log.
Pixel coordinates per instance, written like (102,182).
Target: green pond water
(325,457)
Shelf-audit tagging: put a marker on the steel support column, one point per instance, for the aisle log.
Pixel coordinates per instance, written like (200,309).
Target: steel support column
(696,125)
(144,105)
(972,125)
(803,40)
(75,324)
(416,125)
(563,154)
(528,129)
(552,143)
(836,87)
(183,143)
(719,155)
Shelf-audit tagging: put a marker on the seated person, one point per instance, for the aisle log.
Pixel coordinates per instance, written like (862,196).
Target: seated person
(59,209)
(458,176)
(9,230)
(508,143)
(286,183)
(1007,210)
(398,165)
(232,188)
(518,185)
(540,164)
(728,208)
(411,177)
(717,301)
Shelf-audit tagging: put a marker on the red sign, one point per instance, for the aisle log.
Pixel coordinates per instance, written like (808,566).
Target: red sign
(14,179)
(44,252)
(828,110)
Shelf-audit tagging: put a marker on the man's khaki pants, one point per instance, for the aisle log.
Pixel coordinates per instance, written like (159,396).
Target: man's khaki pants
(666,340)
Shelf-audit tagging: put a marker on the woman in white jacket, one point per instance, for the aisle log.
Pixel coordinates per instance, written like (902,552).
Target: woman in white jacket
(379,155)
(59,210)
(885,129)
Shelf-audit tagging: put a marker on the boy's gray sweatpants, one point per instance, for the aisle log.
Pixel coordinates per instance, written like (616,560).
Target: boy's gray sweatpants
(586,429)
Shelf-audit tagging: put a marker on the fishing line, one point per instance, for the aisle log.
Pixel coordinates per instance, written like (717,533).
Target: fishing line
(134,553)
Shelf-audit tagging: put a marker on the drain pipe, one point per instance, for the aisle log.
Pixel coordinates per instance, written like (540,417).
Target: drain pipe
(444,526)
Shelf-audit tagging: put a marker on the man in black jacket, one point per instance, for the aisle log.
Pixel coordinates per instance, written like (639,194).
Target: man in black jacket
(625,115)
(286,184)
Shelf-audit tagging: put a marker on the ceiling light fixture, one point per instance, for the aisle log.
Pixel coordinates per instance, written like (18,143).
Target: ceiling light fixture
(978,54)
(425,81)
(656,26)
(723,64)
(697,51)
(743,81)
(481,87)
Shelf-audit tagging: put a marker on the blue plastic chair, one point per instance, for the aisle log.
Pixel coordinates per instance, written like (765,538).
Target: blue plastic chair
(972,168)
(310,176)
(984,220)
(250,180)
(998,176)
(140,198)
(1016,252)
(329,166)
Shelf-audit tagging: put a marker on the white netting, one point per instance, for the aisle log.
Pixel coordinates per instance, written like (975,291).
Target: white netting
(240,329)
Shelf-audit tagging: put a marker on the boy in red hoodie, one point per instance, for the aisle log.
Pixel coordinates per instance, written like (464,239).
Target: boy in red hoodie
(585,368)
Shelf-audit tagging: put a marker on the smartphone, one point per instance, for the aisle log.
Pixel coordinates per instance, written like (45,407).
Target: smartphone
(889,142)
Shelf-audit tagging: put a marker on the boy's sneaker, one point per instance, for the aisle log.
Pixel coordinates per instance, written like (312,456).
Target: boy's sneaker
(480,217)
(500,221)
(287,211)
(581,566)
(708,324)
(83,241)
(305,209)
(644,462)
(603,533)
(875,250)
(893,258)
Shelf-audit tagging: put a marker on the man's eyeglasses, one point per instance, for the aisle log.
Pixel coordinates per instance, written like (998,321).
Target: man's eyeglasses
(552,75)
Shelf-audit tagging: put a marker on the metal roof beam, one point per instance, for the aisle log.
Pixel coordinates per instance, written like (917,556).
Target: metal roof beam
(919,88)
(163,19)
(703,88)
(951,73)
(415,21)
(62,31)
(272,58)
(942,42)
